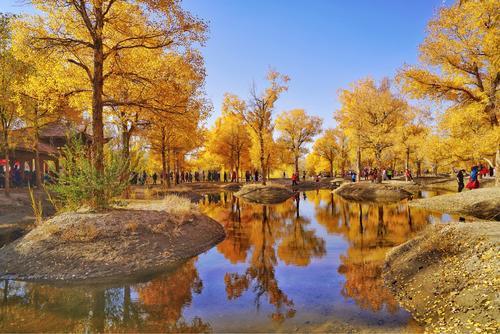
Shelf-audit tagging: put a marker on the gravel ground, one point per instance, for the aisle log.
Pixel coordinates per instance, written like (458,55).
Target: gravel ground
(449,277)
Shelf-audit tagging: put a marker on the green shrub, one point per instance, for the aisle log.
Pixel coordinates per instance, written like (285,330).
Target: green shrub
(78,181)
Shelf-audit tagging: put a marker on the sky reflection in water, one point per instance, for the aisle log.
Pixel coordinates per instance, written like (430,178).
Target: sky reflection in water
(313,259)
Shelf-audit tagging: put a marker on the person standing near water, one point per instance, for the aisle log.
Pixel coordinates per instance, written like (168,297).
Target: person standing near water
(473,181)
(460,180)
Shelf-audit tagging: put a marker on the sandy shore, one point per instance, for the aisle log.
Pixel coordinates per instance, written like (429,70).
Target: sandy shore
(483,203)
(448,277)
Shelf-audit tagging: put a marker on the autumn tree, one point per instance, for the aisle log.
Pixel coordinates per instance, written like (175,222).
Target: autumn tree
(229,141)
(257,113)
(92,34)
(168,89)
(459,65)
(297,129)
(327,148)
(12,71)
(40,97)
(371,116)
(411,134)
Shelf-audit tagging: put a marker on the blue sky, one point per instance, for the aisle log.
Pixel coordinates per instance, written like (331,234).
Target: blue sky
(323,45)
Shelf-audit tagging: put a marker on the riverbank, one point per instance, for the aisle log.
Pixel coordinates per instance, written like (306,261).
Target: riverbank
(142,238)
(483,203)
(447,277)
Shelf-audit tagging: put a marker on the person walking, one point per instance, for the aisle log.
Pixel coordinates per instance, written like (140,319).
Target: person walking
(294,179)
(256,176)
(225,176)
(303,175)
(155,177)
(408,175)
(460,180)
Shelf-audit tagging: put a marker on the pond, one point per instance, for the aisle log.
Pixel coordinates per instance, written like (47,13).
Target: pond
(310,263)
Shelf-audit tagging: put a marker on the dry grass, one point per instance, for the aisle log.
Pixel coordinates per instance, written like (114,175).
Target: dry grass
(36,206)
(80,233)
(172,204)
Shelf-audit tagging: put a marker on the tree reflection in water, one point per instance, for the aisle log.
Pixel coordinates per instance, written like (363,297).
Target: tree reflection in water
(157,307)
(378,228)
(262,229)
(259,239)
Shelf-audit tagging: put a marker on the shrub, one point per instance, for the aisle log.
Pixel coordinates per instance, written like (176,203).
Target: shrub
(78,182)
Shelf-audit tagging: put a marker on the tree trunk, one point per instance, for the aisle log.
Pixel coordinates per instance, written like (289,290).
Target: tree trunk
(163,165)
(262,159)
(97,104)
(168,167)
(358,164)
(7,173)
(296,162)
(497,166)
(378,159)
(407,158)
(238,162)
(419,168)
(7,162)
(38,171)
(126,145)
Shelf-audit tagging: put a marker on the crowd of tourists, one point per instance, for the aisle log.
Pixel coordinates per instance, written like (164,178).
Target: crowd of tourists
(477,172)
(143,177)
(23,178)
(373,173)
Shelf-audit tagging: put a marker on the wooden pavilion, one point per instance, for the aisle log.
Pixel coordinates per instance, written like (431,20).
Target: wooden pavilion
(52,137)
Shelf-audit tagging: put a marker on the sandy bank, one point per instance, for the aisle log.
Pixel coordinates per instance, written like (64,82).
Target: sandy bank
(483,203)
(447,277)
(100,246)
(372,192)
(269,194)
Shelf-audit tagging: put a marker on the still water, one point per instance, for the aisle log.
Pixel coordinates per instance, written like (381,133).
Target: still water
(312,262)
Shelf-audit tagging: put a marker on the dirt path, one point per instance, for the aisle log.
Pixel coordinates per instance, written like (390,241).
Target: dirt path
(448,277)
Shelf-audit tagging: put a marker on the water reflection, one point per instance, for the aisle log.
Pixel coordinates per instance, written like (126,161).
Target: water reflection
(155,306)
(314,258)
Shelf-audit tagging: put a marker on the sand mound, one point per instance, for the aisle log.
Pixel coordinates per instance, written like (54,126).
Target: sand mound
(447,277)
(98,246)
(483,203)
(372,192)
(269,194)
